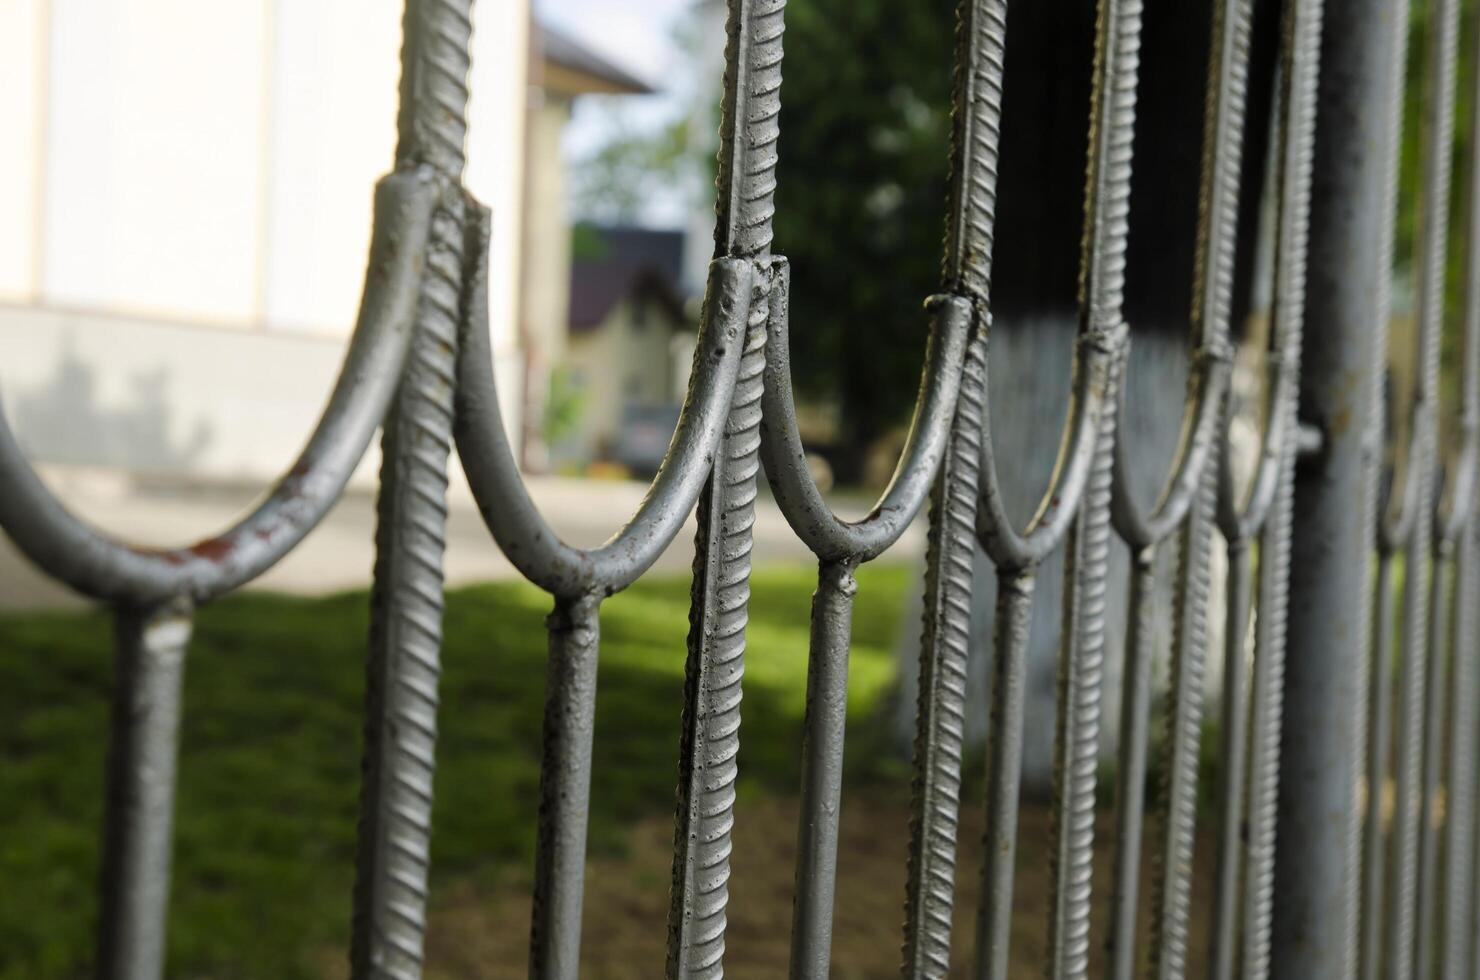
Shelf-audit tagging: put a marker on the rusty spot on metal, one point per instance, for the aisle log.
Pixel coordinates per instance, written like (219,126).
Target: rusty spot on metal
(212,549)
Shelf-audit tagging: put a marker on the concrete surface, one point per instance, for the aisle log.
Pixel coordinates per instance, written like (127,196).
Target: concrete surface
(339,554)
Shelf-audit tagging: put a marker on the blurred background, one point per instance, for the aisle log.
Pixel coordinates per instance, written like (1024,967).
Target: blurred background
(185,198)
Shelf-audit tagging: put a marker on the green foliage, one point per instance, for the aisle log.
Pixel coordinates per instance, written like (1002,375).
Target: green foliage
(860,205)
(563,405)
(269,767)
(1410,198)
(623,176)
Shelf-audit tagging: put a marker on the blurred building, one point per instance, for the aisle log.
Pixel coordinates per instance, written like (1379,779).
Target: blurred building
(566,70)
(185,206)
(630,349)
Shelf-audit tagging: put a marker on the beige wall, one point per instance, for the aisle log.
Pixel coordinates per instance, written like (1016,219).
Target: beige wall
(178,163)
(620,362)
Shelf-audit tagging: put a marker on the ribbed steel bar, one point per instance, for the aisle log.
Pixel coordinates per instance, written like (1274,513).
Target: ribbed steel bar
(1301,69)
(565,789)
(1459,946)
(1436,704)
(945,646)
(1077,755)
(1186,504)
(406,635)
(712,692)
(150,646)
(1457,529)
(1004,771)
(1439,121)
(1082,662)
(1379,750)
(1406,948)
(1135,718)
(1177,807)
(981,35)
(1233,756)
(841,546)
(710,743)
(822,771)
(1402,903)
(406,602)
(1266,712)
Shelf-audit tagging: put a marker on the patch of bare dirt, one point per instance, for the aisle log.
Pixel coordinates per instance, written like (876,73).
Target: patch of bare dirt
(484,932)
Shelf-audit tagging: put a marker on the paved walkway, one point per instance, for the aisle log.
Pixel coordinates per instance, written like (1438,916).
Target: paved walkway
(338,555)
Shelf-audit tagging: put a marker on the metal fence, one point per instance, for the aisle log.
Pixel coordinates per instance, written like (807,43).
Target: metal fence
(1345,817)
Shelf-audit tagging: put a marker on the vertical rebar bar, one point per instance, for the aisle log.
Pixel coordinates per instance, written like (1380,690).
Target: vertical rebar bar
(823,731)
(1087,552)
(404,661)
(1233,757)
(1266,713)
(565,789)
(1460,818)
(1004,772)
(1402,904)
(1461,777)
(1135,718)
(945,646)
(976,115)
(1440,83)
(1435,705)
(711,734)
(1406,948)
(710,743)
(1301,75)
(1178,795)
(1462,877)
(150,646)
(1378,748)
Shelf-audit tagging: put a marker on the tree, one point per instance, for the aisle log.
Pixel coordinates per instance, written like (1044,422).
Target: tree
(860,205)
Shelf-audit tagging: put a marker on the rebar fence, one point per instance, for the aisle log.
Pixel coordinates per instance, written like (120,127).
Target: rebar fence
(1344,814)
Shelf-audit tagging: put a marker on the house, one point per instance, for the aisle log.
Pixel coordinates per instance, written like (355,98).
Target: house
(630,346)
(185,211)
(566,71)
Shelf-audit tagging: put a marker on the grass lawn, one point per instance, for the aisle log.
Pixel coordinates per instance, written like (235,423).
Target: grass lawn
(269,768)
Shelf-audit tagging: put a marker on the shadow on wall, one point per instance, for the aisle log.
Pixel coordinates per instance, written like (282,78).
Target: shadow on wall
(63,421)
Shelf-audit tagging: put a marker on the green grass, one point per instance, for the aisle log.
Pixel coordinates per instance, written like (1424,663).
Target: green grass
(269,766)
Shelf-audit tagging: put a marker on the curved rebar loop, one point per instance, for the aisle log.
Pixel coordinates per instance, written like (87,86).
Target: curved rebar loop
(712,459)
(526,538)
(1247,791)
(103,567)
(580,579)
(1267,512)
(841,547)
(155,590)
(1104,335)
(1187,502)
(976,112)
